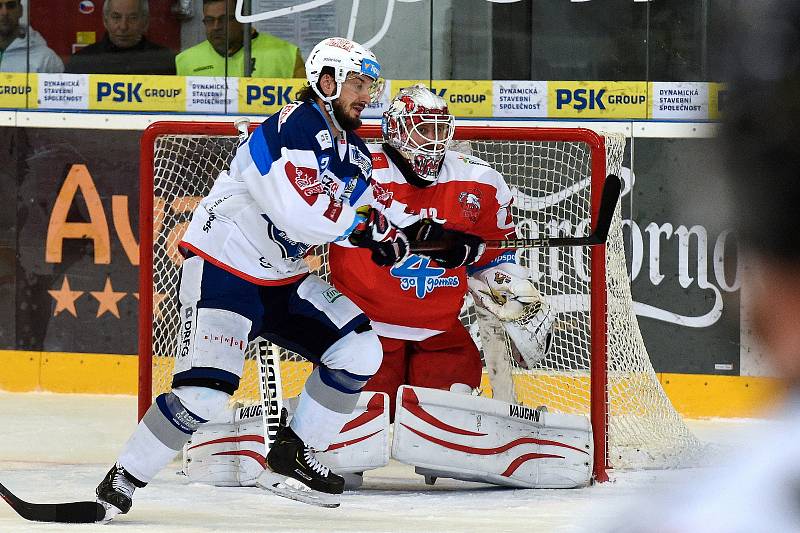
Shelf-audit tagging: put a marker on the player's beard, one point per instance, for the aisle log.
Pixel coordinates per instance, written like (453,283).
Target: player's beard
(345,121)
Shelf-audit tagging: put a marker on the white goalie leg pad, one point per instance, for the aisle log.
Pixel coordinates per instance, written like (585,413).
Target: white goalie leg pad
(445,434)
(231,454)
(210,456)
(363,442)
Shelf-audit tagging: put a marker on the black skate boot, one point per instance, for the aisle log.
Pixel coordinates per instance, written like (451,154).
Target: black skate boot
(116,490)
(294,472)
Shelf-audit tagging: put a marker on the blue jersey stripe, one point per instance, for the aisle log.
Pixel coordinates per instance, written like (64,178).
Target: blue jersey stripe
(259,151)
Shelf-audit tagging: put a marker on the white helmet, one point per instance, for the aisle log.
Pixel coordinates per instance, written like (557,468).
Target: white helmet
(419,126)
(343,56)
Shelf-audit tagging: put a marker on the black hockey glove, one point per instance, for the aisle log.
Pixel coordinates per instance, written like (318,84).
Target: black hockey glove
(462,249)
(426,229)
(388,244)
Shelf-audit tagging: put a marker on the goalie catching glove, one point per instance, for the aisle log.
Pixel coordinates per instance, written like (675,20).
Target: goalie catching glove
(507,292)
(388,244)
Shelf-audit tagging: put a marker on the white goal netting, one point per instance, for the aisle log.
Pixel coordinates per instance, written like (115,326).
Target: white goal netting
(552,174)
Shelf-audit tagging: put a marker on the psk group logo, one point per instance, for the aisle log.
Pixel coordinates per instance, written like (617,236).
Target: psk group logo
(597,99)
(137,93)
(266,95)
(417,274)
(464,98)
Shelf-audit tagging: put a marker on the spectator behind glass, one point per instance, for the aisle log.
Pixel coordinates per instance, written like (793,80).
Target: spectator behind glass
(15,40)
(124,49)
(271,57)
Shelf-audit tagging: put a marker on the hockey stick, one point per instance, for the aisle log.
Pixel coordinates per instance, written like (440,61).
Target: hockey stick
(608,203)
(68,513)
(270,390)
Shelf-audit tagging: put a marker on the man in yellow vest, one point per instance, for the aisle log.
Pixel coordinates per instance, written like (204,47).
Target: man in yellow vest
(271,57)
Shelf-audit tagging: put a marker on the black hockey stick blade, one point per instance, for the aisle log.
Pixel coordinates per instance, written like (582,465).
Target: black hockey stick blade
(608,203)
(68,513)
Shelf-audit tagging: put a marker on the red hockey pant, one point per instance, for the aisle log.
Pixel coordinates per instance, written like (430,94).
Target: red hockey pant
(437,362)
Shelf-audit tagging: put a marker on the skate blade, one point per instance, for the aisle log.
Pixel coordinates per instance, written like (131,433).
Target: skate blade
(293,489)
(111,512)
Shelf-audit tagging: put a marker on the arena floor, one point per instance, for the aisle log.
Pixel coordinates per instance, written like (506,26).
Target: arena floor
(57,447)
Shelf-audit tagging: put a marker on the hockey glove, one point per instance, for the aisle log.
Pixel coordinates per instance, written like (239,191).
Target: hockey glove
(426,229)
(462,249)
(508,293)
(388,244)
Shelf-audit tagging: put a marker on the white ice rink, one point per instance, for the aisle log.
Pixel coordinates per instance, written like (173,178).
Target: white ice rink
(58,447)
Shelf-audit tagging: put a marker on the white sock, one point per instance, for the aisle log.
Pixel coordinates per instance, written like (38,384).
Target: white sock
(315,424)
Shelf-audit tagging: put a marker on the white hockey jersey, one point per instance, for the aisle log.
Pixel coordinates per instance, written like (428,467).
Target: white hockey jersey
(290,186)
(417,299)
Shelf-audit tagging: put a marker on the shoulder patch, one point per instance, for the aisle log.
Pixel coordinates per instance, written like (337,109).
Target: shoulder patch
(305,182)
(379,161)
(324,139)
(362,160)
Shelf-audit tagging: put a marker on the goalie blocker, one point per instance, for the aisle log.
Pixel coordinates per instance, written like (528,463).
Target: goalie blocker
(441,433)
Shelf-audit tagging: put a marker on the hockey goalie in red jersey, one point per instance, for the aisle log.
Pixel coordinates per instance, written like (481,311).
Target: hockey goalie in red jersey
(414,305)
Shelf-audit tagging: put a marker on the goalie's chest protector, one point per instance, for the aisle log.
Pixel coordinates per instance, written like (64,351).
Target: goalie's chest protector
(417,293)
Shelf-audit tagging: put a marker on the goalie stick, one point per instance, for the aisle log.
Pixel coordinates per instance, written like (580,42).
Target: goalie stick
(68,513)
(608,203)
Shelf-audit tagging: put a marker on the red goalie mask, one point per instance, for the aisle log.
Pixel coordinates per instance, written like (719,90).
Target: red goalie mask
(419,126)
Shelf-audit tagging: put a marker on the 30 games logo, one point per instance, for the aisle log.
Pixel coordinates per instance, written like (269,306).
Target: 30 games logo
(416,273)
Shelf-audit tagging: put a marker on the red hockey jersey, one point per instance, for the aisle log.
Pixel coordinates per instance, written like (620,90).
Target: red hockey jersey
(417,299)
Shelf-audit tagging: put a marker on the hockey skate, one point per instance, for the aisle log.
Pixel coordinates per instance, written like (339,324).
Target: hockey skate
(115,492)
(294,472)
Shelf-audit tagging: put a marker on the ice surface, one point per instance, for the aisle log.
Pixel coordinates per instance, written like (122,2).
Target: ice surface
(57,447)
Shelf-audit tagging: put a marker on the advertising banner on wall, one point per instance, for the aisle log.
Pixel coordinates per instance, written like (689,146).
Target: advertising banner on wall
(683,263)
(522,99)
(71,283)
(76,277)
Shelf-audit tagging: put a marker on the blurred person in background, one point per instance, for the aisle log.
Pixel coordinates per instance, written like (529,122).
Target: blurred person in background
(759,490)
(124,49)
(271,57)
(16,40)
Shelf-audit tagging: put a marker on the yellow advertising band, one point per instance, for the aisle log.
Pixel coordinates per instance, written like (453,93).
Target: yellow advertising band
(694,395)
(632,100)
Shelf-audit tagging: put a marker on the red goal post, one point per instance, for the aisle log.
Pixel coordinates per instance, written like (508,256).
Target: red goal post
(556,175)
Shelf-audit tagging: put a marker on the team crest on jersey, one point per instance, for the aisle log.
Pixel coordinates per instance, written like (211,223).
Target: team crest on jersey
(417,274)
(305,182)
(382,194)
(470,202)
(361,160)
(285,112)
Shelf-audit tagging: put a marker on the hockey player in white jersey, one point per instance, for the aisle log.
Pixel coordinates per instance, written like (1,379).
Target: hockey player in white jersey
(424,343)
(302,178)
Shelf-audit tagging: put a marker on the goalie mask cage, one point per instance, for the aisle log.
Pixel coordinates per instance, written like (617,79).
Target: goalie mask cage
(598,364)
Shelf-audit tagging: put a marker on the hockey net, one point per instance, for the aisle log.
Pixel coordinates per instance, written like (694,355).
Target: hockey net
(598,364)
